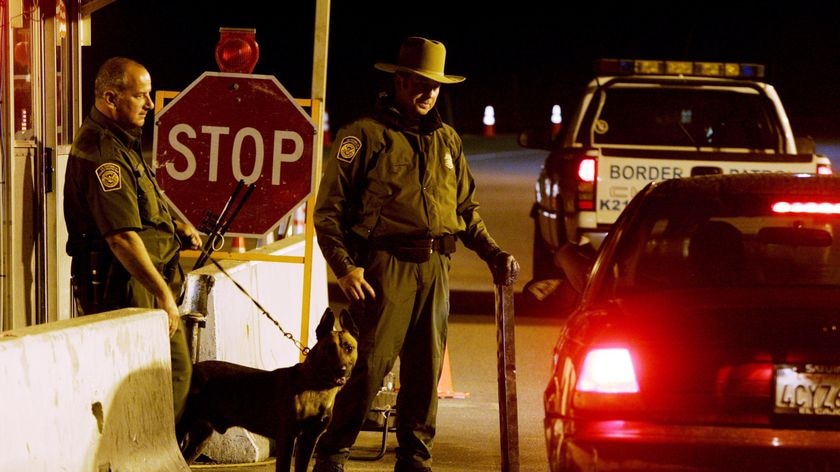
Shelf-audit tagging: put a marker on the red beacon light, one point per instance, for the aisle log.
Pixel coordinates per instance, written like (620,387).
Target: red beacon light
(237,50)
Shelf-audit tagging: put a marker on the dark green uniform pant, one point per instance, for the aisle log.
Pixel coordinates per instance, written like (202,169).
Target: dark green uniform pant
(181,370)
(137,296)
(409,319)
(178,348)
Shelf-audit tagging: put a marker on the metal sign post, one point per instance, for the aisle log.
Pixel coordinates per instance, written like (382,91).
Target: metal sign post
(508,419)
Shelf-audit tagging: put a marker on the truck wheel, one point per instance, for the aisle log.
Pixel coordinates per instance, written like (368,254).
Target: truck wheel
(543,258)
(540,294)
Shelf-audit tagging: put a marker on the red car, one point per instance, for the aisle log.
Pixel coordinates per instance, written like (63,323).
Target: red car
(707,335)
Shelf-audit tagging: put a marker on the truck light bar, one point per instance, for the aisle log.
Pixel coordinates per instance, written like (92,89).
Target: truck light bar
(655,67)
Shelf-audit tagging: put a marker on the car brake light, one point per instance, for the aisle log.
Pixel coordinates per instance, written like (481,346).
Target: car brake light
(586,184)
(824,169)
(825,208)
(608,371)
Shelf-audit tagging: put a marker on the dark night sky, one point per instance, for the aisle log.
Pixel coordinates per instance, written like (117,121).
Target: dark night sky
(521,58)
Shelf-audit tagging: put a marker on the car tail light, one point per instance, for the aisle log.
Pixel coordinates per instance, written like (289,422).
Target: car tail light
(607,385)
(608,371)
(586,184)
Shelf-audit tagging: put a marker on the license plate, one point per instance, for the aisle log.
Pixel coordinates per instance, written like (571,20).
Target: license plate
(807,389)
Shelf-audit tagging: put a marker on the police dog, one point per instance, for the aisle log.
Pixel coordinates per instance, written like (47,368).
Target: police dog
(291,405)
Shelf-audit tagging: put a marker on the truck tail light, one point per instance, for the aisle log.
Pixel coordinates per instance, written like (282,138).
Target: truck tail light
(824,169)
(586,184)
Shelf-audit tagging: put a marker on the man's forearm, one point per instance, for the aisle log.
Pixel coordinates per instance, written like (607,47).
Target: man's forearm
(128,248)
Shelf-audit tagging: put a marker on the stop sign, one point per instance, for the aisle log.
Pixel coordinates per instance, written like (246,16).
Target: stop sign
(228,127)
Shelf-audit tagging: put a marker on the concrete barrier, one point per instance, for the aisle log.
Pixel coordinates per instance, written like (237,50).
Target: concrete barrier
(89,394)
(237,331)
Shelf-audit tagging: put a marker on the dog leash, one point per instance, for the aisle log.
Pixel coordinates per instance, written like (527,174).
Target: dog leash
(303,349)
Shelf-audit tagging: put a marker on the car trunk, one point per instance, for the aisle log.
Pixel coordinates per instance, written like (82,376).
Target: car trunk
(712,356)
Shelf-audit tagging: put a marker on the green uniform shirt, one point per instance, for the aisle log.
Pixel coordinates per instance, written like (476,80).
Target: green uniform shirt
(109,187)
(386,178)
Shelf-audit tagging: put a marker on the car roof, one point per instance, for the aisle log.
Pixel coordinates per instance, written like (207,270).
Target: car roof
(717,186)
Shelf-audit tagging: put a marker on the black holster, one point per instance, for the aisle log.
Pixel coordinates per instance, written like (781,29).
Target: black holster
(99,281)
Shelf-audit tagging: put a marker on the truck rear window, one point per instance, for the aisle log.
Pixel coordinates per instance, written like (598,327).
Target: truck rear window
(682,117)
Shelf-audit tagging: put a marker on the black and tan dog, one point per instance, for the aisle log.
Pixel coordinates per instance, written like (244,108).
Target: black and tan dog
(291,405)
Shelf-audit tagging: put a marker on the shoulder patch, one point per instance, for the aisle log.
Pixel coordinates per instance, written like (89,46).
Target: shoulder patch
(447,161)
(109,176)
(349,148)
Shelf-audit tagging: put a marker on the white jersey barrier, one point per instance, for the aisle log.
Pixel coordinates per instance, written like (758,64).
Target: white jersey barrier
(89,394)
(237,331)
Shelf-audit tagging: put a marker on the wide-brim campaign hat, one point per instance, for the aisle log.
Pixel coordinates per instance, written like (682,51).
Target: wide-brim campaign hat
(423,57)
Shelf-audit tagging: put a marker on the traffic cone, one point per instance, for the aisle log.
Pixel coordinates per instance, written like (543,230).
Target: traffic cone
(445,387)
(556,121)
(489,122)
(237,244)
(299,220)
(327,132)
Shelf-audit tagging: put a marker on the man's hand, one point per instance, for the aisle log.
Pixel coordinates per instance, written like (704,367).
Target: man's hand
(168,304)
(188,235)
(505,268)
(354,285)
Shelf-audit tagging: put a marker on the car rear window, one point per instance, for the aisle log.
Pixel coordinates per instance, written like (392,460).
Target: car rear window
(682,117)
(709,248)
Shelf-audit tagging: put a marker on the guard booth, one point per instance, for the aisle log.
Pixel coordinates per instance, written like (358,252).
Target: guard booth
(41,62)
(40,55)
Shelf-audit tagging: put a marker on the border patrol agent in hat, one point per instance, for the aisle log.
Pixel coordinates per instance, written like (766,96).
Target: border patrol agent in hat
(397,194)
(423,57)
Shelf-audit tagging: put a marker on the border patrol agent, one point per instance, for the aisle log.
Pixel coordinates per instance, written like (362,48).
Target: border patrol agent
(396,195)
(123,239)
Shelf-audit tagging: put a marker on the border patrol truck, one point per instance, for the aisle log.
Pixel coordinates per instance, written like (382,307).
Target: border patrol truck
(639,121)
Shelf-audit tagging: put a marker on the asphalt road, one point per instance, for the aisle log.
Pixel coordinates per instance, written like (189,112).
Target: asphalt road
(468,436)
(504,174)
(469,427)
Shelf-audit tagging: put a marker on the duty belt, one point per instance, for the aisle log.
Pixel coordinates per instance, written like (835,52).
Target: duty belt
(443,244)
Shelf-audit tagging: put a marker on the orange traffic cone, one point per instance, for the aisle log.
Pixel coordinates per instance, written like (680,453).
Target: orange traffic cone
(299,220)
(237,244)
(327,132)
(489,122)
(445,387)
(556,121)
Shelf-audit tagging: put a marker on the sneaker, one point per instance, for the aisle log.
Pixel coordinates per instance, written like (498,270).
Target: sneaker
(327,466)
